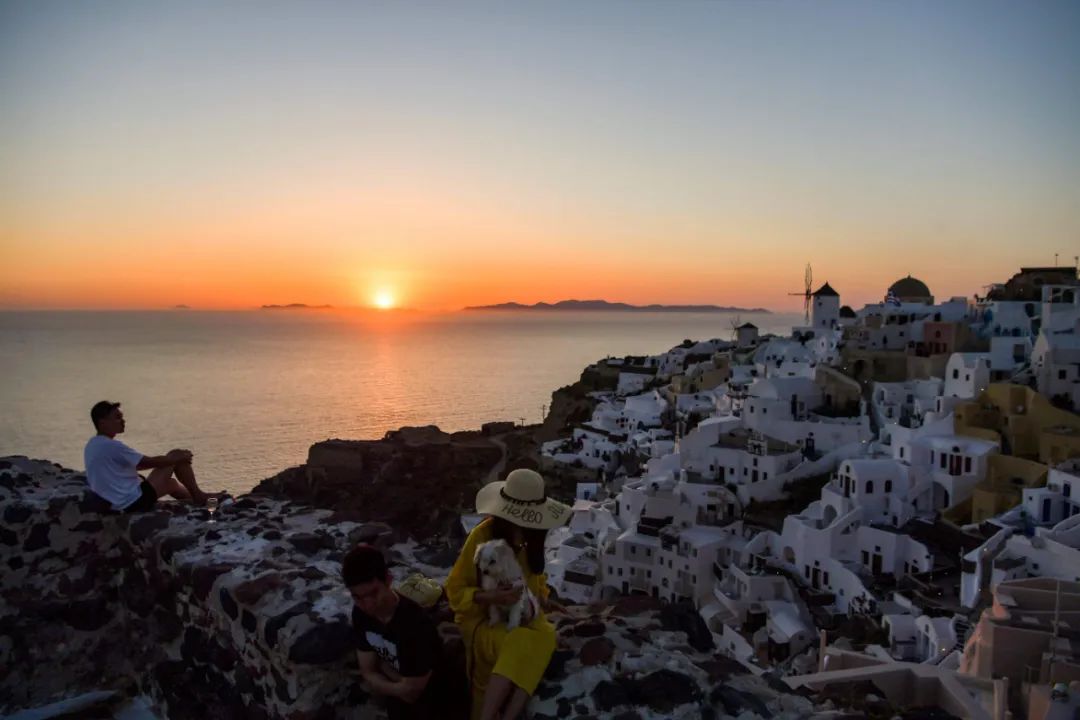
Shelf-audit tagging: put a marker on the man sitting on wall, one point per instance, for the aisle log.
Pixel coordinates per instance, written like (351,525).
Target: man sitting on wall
(398,645)
(112,467)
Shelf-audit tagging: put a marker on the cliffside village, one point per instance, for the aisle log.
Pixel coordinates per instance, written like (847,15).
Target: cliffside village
(890,493)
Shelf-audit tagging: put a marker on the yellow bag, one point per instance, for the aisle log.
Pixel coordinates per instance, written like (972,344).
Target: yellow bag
(423,591)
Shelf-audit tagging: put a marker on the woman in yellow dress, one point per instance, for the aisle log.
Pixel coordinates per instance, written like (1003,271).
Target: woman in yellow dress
(505,667)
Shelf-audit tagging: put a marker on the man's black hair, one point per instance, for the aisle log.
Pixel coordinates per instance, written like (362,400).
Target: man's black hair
(101,410)
(363,564)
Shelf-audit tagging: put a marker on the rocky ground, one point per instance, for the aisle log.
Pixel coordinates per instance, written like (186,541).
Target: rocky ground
(246,618)
(417,479)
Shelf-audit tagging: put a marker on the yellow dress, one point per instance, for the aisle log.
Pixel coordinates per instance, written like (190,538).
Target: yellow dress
(522,654)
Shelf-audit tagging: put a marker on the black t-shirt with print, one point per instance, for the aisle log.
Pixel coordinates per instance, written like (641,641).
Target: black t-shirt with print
(410,644)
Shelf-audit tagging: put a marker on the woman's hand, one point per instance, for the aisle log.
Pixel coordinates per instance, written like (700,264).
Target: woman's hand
(503,596)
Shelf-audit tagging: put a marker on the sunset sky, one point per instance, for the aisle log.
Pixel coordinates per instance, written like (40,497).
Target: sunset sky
(226,155)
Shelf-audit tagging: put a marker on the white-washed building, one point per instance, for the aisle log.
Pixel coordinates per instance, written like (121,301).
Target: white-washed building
(1058,500)
(1056,362)
(782,408)
(905,402)
(784,358)
(967,375)
(1018,553)
(1060,308)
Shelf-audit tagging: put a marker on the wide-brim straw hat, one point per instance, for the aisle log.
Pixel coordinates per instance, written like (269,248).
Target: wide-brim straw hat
(521,499)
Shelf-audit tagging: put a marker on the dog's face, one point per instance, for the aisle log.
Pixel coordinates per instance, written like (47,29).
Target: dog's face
(496,559)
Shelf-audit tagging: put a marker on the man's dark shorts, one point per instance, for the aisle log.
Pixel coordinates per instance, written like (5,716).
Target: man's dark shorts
(147,500)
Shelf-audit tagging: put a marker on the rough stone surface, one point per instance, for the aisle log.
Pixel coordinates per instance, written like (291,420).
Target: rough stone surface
(203,617)
(597,651)
(216,621)
(684,617)
(415,479)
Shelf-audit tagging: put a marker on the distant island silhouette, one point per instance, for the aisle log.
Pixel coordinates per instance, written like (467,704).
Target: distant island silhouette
(618,306)
(181,306)
(297,306)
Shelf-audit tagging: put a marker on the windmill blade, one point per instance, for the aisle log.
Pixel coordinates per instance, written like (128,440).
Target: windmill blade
(809,279)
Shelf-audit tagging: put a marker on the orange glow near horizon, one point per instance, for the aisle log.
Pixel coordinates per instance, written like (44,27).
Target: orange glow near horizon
(454,157)
(443,240)
(384,300)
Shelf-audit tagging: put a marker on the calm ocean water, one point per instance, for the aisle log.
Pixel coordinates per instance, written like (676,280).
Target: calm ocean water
(248,392)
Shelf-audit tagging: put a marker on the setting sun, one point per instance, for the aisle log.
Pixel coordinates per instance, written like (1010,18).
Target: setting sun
(384,300)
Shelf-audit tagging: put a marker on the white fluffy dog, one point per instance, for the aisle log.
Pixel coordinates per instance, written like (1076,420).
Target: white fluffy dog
(497,567)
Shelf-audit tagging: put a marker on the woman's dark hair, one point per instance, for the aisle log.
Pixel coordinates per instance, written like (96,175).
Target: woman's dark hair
(362,565)
(534,541)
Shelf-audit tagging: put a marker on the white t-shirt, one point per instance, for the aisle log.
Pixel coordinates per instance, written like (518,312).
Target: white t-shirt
(110,470)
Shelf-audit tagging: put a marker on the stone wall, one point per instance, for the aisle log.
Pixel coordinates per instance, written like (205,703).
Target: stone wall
(245,617)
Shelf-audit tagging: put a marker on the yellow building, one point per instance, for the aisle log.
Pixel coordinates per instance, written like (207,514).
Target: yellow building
(706,376)
(1004,485)
(1023,421)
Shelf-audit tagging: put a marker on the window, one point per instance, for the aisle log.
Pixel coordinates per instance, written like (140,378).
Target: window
(888,486)
(1061,374)
(901,452)
(1066,489)
(944,461)
(620,572)
(967,464)
(955,374)
(869,487)
(865,558)
(633,550)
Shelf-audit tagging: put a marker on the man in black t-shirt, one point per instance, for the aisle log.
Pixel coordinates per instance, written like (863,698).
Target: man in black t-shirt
(398,646)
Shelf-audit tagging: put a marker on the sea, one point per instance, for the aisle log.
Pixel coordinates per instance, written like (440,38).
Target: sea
(248,392)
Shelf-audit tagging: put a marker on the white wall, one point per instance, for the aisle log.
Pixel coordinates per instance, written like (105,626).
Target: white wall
(967,374)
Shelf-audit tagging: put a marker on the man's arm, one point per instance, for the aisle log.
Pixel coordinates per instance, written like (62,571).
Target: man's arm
(407,689)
